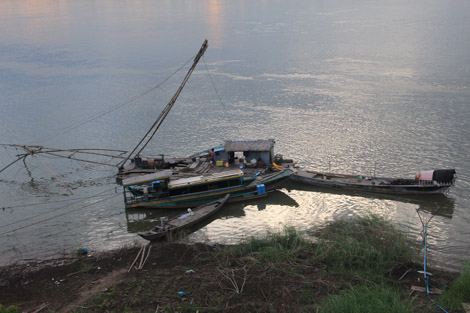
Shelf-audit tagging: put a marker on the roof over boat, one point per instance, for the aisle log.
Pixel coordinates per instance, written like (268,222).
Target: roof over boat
(142,179)
(249,145)
(205,178)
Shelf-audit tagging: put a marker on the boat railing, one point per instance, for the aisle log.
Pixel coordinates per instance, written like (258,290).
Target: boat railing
(434,183)
(426,182)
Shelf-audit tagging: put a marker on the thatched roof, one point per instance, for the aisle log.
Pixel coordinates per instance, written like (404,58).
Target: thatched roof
(249,145)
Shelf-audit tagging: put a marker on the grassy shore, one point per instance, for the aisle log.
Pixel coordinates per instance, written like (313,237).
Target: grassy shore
(359,265)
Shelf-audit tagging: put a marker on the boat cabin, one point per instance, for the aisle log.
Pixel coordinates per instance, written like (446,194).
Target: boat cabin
(260,151)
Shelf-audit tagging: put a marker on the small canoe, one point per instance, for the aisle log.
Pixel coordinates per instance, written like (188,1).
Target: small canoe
(434,182)
(184,221)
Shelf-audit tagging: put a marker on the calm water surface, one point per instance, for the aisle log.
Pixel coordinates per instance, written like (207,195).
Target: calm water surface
(355,86)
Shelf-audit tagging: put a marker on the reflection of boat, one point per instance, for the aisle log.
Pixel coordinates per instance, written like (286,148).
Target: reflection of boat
(141,219)
(427,182)
(184,221)
(435,204)
(162,190)
(276,197)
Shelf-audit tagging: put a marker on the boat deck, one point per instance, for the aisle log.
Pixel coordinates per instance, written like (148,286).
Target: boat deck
(373,184)
(188,169)
(353,179)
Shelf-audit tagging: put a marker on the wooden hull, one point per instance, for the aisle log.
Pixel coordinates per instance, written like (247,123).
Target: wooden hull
(377,184)
(184,221)
(237,193)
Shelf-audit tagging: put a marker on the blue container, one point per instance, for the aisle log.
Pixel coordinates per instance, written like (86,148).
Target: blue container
(261,189)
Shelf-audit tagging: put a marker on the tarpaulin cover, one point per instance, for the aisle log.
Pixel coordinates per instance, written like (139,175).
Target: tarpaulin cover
(443,176)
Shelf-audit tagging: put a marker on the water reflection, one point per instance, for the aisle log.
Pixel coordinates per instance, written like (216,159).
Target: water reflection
(439,204)
(143,219)
(215,23)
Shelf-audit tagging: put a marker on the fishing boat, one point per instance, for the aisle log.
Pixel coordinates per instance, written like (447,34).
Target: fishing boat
(162,189)
(426,182)
(184,221)
(249,155)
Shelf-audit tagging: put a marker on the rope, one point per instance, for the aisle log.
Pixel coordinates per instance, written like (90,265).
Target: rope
(48,219)
(49,202)
(67,129)
(162,114)
(213,85)
(158,122)
(11,164)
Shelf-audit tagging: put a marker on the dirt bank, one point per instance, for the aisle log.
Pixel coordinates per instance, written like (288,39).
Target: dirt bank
(178,278)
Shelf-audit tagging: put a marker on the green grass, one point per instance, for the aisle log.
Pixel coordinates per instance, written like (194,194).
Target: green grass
(274,247)
(458,292)
(365,248)
(10,309)
(368,247)
(366,299)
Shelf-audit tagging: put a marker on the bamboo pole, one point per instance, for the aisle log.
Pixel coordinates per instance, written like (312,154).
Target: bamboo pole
(148,254)
(142,257)
(85,151)
(77,159)
(135,259)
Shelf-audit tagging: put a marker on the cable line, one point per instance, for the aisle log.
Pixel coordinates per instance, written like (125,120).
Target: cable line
(78,124)
(53,210)
(427,275)
(48,219)
(156,125)
(11,164)
(50,202)
(213,85)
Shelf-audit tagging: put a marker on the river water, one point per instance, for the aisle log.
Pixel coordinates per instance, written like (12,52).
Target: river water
(354,86)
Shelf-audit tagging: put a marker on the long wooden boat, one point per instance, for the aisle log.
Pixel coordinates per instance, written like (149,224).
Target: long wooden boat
(184,221)
(426,182)
(161,190)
